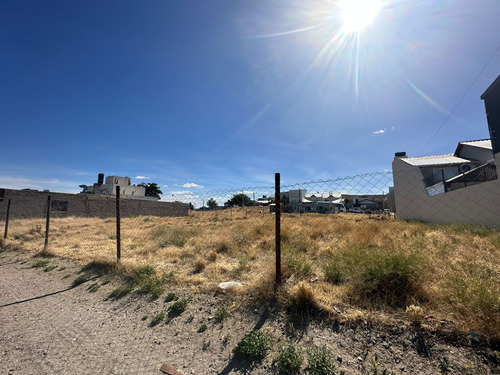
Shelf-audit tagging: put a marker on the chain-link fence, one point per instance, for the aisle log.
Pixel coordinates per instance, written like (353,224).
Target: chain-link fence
(380,240)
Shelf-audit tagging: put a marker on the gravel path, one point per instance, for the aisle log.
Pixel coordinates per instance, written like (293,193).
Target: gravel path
(47,327)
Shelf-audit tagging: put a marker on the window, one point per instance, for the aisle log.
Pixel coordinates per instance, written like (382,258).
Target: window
(447,173)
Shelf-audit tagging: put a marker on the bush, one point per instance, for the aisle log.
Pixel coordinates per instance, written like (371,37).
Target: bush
(148,282)
(289,360)
(335,273)
(253,347)
(121,291)
(320,361)
(221,314)
(391,279)
(80,280)
(302,300)
(174,236)
(178,307)
(157,319)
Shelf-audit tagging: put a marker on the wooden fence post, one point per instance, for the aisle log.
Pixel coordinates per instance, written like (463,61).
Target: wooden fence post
(47,223)
(277,214)
(118,229)
(7,219)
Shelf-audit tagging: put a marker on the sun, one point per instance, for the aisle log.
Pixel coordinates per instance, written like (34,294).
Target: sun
(358,14)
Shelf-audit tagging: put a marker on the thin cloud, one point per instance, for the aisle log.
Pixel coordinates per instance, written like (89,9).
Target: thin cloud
(143,177)
(381,131)
(189,185)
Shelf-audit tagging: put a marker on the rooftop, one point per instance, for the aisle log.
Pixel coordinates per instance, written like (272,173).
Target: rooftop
(435,160)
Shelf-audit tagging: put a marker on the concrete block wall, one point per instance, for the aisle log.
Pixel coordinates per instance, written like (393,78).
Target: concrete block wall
(33,204)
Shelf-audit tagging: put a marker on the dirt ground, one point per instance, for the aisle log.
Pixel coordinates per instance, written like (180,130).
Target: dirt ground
(49,327)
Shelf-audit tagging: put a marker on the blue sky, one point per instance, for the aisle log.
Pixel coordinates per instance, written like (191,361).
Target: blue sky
(223,94)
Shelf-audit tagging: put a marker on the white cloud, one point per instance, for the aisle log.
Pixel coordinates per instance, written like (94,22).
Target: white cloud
(164,186)
(143,177)
(381,131)
(189,185)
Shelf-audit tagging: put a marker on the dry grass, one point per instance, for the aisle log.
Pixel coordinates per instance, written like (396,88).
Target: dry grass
(360,263)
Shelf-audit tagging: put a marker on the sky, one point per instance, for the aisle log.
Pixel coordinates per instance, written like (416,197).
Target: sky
(204,95)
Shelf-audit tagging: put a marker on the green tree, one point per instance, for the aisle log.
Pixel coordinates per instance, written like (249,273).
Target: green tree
(241,200)
(212,203)
(152,189)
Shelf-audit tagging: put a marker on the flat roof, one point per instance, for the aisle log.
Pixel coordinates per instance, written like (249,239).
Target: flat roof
(435,160)
(483,143)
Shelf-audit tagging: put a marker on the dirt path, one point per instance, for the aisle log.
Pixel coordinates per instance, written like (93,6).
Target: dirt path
(47,327)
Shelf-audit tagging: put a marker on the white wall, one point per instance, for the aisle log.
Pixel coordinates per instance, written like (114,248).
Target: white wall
(478,204)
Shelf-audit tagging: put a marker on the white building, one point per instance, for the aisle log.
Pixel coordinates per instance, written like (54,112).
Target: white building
(462,187)
(109,187)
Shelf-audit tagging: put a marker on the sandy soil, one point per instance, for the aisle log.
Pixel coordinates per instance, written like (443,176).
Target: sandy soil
(48,327)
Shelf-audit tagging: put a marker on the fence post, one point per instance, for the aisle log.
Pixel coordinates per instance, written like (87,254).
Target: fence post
(47,223)
(7,219)
(118,231)
(277,213)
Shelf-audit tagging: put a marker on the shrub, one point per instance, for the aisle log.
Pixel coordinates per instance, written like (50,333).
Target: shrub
(171,297)
(296,264)
(199,265)
(92,288)
(174,236)
(289,360)
(253,347)
(221,314)
(302,300)
(202,328)
(391,279)
(157,319)
(40,263)
(80,280)
(320,361)
(334,273)
(178,307)
(148,281)
(121,291)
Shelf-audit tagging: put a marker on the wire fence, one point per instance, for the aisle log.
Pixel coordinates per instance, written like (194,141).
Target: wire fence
(362,234)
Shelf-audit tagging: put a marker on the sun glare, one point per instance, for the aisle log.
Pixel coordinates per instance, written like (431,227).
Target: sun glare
(358,14)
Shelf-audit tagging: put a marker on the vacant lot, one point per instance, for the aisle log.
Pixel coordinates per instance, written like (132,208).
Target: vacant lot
(350,266)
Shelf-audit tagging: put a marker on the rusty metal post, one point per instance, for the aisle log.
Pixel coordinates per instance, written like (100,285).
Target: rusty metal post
(7,220)
(277,214)
(47,223)
(118,229)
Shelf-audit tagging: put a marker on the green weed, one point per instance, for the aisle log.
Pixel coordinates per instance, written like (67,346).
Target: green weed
(253,347)
(40,264)
(179,306)
(171,297)
(174,236)
(221,314)
(80,280)
(320,361)
(49,268)
(157,319)
(121,291)
(289,360)
(202,328)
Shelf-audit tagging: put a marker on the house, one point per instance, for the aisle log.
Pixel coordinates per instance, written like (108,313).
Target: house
(109,187)
(460,187)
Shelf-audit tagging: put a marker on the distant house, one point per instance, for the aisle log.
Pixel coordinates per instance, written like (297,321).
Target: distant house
(460,187)
(109,187)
